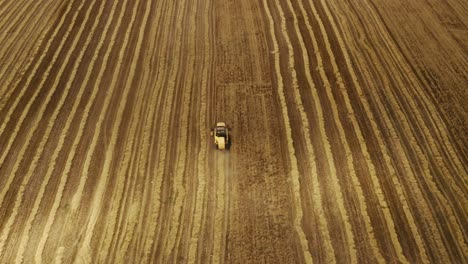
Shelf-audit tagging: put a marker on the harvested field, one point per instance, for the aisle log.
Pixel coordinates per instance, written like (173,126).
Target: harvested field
(349,124)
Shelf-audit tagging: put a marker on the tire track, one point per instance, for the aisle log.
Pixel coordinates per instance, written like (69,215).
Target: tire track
(221,212)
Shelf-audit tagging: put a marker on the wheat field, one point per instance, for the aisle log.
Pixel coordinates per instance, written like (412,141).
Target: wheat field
(349,125)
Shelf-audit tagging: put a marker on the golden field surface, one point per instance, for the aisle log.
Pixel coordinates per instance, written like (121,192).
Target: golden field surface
(349,124)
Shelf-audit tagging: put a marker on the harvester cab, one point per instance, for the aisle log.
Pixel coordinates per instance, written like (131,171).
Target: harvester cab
(221,135)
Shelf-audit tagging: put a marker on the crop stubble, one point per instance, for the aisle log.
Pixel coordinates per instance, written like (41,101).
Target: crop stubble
(348,127)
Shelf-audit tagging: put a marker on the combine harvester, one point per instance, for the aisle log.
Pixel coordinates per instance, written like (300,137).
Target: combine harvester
(221,136)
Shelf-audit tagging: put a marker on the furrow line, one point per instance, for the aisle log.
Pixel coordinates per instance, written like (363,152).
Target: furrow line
(415,188)
(365,152)
(34,125)
(178,185)
(138,188)
(375,180)
(442,145)
(349,157)
(6,6)
(33,128)
(33,97)
(124,191)
(18,72)
(408,214)
(139,166)
(86,112)
(15,31)
(294,171)
(144,157)
(405,115)
(164,171)
(77,196)
(144,151)
(13,47)
(379,138)
(182,146)
(168,236)
(199,210)
(5,20)
(435,167)
(61,140)
(18,50)
(101,185)
(319,110)
(159,142)
(154,132)
(401,66)
(124,175)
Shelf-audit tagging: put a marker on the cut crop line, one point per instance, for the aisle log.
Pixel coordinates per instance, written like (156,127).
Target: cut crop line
(144,152)
(294,171)
(124,175)
(66,171)
(202,154)
(319,109)
(409,216)
(9,37)
(41,84)
(180,165)
(34,125)
(345,143)
(18,50)
(102,181)
(436,120)
(179,193)
(421,125)
(145,155)
(6,19)
(38,153)
(53,160)
(160,130)
(374,178)
(150,141)
(141,152)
